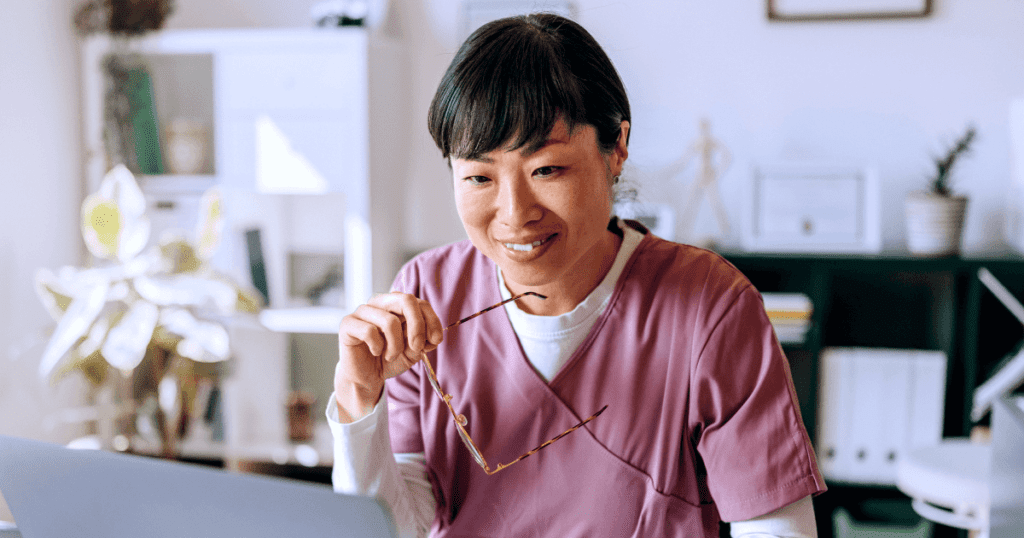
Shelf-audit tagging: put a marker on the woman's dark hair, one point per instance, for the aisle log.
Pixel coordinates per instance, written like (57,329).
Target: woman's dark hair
(515,77)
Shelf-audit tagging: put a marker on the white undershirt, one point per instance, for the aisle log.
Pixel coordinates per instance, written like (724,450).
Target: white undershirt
(365,465)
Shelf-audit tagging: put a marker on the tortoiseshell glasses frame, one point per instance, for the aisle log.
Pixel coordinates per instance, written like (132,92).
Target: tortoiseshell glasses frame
(460,420)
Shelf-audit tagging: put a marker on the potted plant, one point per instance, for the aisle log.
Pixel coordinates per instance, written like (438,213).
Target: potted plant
(935,217)
(144,326)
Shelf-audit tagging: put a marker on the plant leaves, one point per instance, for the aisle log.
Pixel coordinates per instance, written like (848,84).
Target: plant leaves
(126,342)
(73,326)
(202,341)
(55,298)
(188,290)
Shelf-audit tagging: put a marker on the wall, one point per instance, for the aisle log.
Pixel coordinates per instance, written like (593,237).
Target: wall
(885,93)
(889,93)
(39,171)
(40,168)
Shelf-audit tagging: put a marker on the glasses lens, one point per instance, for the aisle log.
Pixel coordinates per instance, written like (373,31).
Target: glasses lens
(469,444)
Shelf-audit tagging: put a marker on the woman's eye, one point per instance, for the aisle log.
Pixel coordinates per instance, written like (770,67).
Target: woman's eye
(477,180)
(546,171)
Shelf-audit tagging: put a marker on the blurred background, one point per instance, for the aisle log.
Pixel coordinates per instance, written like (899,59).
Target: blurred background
(891,94)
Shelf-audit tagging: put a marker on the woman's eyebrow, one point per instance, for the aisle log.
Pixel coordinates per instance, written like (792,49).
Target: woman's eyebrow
(478,158)
(541,144)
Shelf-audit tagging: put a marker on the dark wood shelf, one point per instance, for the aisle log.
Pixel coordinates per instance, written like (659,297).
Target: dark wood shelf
(894,300)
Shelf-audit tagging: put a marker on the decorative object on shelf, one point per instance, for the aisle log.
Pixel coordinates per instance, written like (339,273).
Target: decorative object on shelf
(845,10)
(935,217)
(300,416)
(339,13)
(121,17)
(713,160)
(807,207)
(185,143)
(143,326)
(476,13)
(131,128)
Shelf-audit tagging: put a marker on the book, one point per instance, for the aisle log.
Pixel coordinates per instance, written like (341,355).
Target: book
(789,314)
(257,268)
(143,121)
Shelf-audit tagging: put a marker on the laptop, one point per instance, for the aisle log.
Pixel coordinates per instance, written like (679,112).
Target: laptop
(56,492)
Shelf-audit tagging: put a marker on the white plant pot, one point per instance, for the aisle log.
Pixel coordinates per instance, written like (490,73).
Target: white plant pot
(935,223)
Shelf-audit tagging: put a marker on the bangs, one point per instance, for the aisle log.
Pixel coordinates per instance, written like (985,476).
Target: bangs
(508,95)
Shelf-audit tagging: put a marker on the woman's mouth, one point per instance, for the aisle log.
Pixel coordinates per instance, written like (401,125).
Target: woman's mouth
(526,247)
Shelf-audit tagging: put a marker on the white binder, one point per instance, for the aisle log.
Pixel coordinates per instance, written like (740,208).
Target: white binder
(874,405)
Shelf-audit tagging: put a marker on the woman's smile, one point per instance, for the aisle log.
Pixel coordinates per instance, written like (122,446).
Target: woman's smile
(527,246)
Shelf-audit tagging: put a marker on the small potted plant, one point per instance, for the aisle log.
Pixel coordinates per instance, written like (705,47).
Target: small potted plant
(935,217)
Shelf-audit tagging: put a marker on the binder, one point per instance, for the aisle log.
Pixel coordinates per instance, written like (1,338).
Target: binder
(144,124)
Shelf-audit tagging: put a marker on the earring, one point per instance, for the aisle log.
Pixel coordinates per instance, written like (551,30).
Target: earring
(615,180)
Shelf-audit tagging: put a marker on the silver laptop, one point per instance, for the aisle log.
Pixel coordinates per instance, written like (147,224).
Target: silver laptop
(57,492)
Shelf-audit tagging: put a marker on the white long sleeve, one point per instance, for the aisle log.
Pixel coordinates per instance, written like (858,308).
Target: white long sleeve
(791,521)
(365,465)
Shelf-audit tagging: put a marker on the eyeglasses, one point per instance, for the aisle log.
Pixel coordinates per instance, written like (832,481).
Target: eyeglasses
(460,420)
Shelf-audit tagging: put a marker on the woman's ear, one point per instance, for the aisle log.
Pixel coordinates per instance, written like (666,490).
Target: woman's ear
(621,151)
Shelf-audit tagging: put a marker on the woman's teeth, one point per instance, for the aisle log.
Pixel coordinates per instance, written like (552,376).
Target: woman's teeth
(525,248)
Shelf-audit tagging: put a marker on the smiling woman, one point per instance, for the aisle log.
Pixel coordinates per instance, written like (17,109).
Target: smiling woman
(698,421)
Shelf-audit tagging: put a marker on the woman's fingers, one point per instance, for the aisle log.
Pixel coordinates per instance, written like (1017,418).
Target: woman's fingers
(418,323)
(392,324)
(380,340)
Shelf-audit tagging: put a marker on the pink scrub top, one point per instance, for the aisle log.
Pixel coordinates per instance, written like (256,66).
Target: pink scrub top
(702,422)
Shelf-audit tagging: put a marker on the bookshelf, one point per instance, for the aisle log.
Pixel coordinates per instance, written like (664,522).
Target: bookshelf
(894,300)
(299,130)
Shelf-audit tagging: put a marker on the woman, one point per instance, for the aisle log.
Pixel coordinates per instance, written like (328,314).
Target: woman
(701,423)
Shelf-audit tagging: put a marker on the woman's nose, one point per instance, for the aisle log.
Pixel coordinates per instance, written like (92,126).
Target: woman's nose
(518,204)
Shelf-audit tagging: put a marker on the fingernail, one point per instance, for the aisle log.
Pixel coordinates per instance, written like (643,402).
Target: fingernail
(435,337)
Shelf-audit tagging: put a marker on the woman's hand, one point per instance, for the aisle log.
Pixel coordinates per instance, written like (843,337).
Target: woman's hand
(380,340)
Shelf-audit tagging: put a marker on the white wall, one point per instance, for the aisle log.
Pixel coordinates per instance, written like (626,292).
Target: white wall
(40,167)
(39,174)
(884,93)
(889,93)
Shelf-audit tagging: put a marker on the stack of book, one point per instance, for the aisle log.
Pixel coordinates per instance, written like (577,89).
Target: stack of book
(790,314)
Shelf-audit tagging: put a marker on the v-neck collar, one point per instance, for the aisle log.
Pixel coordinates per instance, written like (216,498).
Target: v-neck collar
(517,366)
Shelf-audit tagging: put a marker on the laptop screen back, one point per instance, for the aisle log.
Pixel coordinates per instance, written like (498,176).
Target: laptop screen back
(53,491)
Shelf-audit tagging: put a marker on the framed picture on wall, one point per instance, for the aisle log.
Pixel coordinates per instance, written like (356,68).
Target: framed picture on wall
(837,10)
(812,208)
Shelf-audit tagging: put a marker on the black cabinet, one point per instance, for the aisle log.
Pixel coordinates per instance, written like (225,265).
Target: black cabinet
(895,301)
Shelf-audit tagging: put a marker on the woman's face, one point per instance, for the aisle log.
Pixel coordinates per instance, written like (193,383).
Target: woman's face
(541,214)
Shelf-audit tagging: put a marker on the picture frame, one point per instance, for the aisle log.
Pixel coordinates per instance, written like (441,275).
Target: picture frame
(845,10)
(812,208)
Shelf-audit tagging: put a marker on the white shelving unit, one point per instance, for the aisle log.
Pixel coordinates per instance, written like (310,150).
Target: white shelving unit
(303,143)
